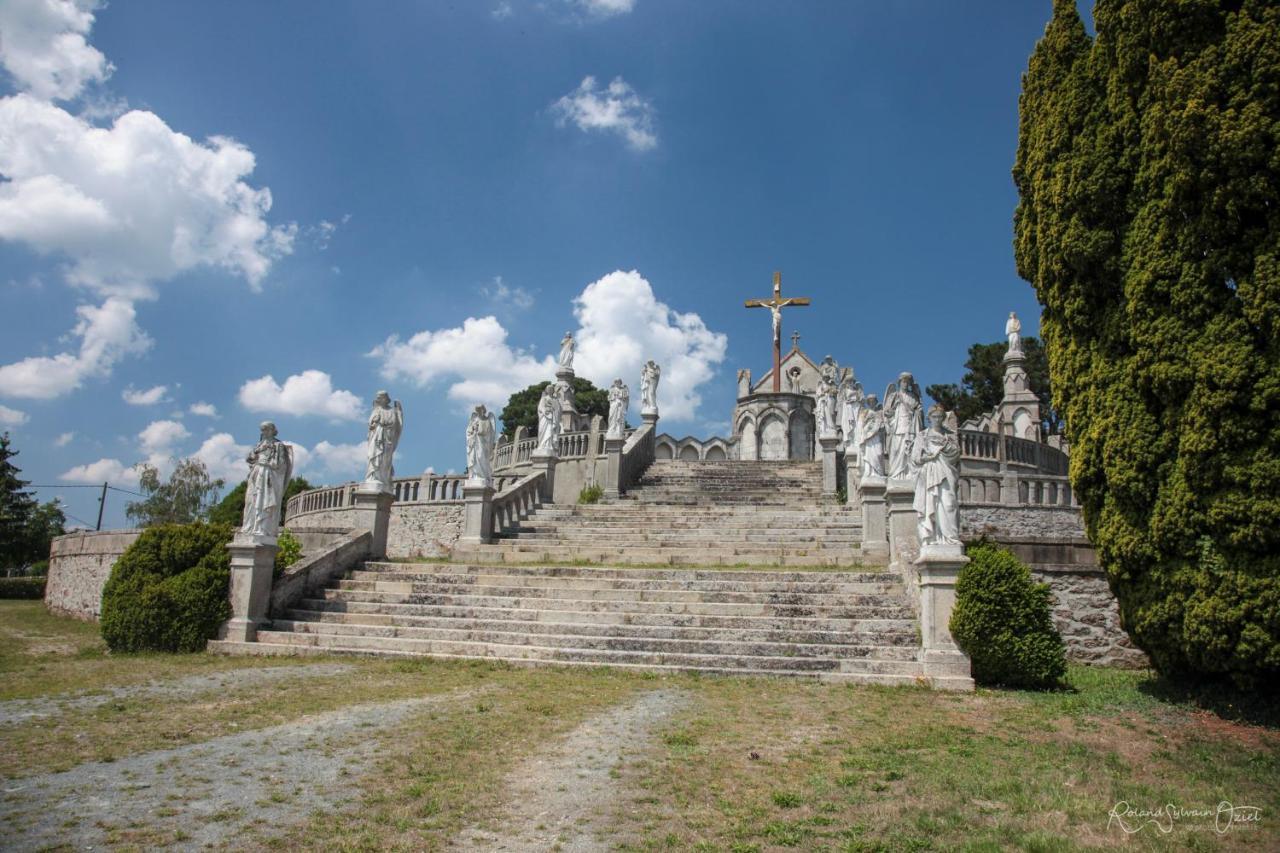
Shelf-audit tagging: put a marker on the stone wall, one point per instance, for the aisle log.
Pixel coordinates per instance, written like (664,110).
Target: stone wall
(307,577)
(1000,520)
(1088,618)
(415,529)
(79,565)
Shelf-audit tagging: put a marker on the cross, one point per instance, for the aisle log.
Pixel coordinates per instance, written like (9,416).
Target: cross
(775,305)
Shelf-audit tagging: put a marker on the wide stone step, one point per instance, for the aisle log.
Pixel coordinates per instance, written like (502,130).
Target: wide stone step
(679,575)
(790,539)
(499,552)
(818,583)
(437,586)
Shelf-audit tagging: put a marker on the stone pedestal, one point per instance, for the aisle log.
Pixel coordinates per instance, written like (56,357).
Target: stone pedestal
(477,519)
(373,513)
(570,419)
(253,559)
(546,463)
(830,473)
(944,664)
(613,466)
(852,479)
(649,416)
(875,541)
(904,542)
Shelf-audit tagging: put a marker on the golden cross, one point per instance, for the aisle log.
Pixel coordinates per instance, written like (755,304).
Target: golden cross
(775,305)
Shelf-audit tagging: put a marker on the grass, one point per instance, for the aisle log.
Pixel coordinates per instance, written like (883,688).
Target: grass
(746,764)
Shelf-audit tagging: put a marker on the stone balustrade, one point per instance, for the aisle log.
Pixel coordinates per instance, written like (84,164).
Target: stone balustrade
(517,500)
(1010,451)
(429,488)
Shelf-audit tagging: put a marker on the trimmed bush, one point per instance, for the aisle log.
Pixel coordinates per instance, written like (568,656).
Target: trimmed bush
(1001,620)
(168,590)
(22,587)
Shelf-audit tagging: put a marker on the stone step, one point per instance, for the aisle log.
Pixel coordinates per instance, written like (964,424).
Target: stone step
(435,586)
(510,576)
(500,552)
(681,575)
(677,540)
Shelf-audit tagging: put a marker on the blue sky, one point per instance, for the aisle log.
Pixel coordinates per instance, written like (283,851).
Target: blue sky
(275,209)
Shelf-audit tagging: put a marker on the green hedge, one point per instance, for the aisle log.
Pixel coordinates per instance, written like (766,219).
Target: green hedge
(168,591)
(22,587)
(1002,621)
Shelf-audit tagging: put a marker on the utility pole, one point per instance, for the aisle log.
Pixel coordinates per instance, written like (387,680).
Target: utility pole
(102,504)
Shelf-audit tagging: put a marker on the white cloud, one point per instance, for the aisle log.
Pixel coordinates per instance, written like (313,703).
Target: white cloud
(507,297)
(308,393)
(12,417)
(159,437)
(486,369)
(502,11)
(622,325)
(607,8)
(102,471)
(224,458)
(206,410)
(43,46)
(343,461)
(144,398)
(131,204)
(64,439)
(614,108)
(107,334)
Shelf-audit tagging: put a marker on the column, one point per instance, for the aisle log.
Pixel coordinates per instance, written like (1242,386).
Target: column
(830,475)
(852,478)
(253,560)
(875,541)
(613,466)
(373,513)
(945,665)
(904,542)
(546,463)
(477,520)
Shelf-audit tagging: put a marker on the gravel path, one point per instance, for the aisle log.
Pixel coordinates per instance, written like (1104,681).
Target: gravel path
(213,791)
(18,710)
(561,799)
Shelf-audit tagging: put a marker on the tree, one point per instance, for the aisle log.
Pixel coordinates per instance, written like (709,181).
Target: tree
(522,406)
(16,508)
(230,510)
(187,497)
(1148,173)
(982,387)
(47,522)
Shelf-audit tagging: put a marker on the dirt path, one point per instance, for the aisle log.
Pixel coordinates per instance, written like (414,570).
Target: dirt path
(18,710)
(212,792)
(561,798)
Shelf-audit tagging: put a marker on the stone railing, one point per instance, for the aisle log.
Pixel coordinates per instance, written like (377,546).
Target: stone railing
(637,456)
(429,488)
(518,451)
(1008,450)
(1015,489)
(315,500)
(517,500)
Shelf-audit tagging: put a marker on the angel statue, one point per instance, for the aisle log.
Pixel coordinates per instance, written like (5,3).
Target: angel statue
(851,414)
(1013,331)
(482,431)
(904,419)
(871,438)
(619,399)
(270,467)
(549,408)
(825,412)
(566,351)
(936,457)
(386,422)
(649,387)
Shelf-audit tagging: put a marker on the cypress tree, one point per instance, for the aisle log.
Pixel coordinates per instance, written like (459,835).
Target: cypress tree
(1148,170)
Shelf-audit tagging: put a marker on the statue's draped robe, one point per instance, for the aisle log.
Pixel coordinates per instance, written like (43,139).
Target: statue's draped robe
(619,399)
(480,437)
(871,434)
(905,421)
(937,456)
(384,435)
(270,464)
(548,423)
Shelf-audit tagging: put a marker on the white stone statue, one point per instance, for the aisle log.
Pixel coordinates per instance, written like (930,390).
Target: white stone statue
(851,414)
(619,399)
(936,456)
(829,370)
(649,377)
(549,408)
(825,411)
(566,351)
(482,428)
(904,419)
(386,423)
(270,468)
(1013,330)
(871,438)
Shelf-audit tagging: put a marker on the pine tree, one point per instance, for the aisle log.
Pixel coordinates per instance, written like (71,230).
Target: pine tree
(17,507)
(1148,170)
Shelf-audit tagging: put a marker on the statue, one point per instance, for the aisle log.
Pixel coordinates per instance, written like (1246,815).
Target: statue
(829,370)
(566,351)
(619,399)
(549,408)
(649,377)
(1013,330)
(871,438)
(825,412)
(270,468)
(386,422)
(903,421)
(851,414)
(936,457)
(482,428)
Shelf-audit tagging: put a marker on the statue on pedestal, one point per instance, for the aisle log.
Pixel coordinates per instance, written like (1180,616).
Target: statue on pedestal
(549,408)
(386,423)
(871,438)
(649,377)
(851,414)
(270,467)
(482,428)
(619,399)
(936,458)
(825,411)
(566,351)
(904,419)
(1013,331)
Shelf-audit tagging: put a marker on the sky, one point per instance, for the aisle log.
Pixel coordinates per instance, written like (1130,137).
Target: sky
(217,213)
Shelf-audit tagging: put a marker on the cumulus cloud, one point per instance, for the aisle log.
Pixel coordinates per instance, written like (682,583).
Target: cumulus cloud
(106,333)
(308,393)
(159,437)
(102,471)
(12,417)
(615,108)
(223,458)
(149,397)
(476,356)
(342,461)
(43,47)
(203,409)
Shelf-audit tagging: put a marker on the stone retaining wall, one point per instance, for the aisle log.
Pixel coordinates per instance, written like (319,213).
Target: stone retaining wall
(307,577)
(79,565)
(415,529)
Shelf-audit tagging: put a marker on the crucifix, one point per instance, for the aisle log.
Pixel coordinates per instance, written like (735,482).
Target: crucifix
(775,305)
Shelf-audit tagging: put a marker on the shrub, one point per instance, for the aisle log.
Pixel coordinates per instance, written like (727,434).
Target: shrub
(1001,620)
(288,551)
(22,587)
(591,494)
(168,590)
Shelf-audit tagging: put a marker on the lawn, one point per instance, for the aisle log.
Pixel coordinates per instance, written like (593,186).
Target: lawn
(737,764)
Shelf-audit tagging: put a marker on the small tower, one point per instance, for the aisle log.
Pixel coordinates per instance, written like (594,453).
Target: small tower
(1019,412)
